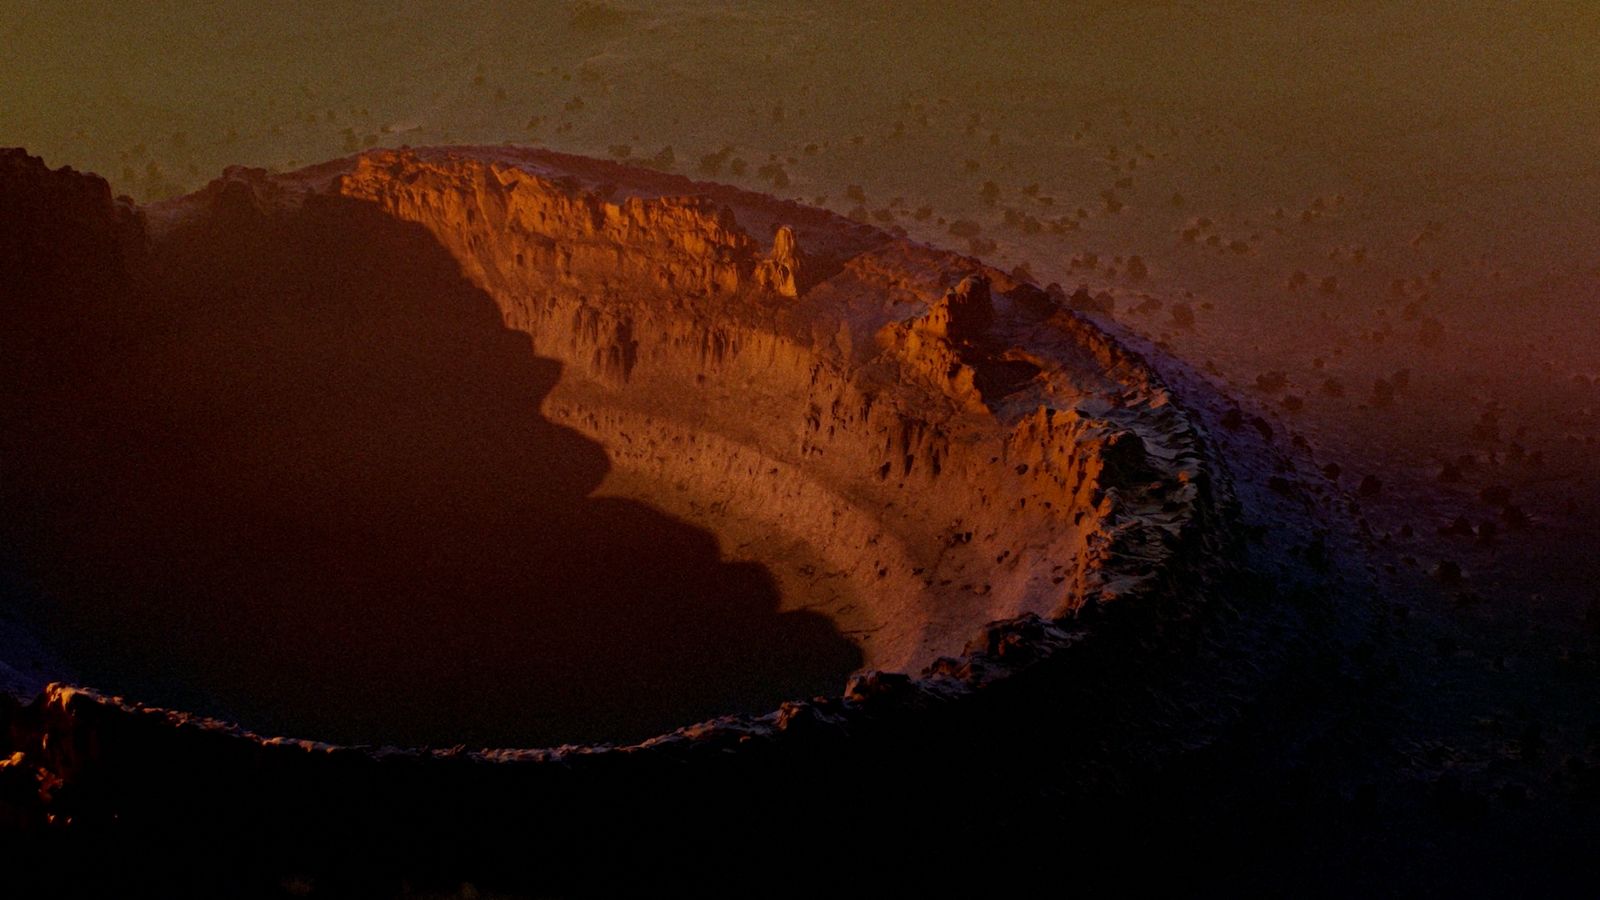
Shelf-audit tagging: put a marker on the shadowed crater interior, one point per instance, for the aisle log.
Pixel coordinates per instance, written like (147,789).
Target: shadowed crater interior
(296,474)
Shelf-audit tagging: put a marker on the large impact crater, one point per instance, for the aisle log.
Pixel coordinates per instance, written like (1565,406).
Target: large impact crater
(506,448)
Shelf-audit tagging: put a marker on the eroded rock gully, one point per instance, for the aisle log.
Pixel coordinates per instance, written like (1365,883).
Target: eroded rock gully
(478,420)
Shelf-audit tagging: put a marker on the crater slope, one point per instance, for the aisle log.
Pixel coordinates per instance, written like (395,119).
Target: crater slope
(918,443)
(502,447)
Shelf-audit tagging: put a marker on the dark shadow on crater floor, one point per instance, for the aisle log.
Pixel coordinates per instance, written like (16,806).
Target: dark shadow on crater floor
(299,477)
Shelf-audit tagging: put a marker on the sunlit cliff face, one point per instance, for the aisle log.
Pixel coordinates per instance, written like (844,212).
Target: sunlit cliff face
(509,448)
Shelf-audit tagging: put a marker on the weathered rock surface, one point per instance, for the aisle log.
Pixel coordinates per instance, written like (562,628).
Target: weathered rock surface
(927,426)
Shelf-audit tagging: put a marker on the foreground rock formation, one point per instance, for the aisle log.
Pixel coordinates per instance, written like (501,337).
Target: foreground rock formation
(911,464)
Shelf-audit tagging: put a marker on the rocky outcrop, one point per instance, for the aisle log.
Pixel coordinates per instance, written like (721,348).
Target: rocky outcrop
(65,246)
(53,214)
(782,270)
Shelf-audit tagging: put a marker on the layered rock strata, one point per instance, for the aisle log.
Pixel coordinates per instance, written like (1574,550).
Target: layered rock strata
(950,446)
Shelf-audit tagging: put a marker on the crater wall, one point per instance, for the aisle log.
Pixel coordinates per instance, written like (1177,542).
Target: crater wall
(946,463)
(915,442)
